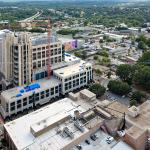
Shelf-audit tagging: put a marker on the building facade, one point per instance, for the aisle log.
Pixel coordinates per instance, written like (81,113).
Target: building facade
(29,73)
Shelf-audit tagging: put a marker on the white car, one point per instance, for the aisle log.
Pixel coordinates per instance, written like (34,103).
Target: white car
(109,139)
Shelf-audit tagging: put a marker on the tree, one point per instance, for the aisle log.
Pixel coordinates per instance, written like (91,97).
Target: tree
(137,95)
(125,72)
(109,74)
(142,77)
(103,53)
(119,87)
(145,59)
(95,57)
(97,89)
(141,45)
(97,71)
(133,103)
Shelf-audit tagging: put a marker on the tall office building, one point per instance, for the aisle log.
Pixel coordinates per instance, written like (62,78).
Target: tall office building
(6,59)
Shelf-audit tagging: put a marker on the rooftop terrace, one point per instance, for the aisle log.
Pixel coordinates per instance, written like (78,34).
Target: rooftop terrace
(22,91)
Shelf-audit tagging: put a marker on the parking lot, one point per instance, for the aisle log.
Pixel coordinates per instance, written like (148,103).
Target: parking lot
(113,97)
(99,144)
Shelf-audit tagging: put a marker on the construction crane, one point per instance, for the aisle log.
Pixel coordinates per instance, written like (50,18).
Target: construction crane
(49,49)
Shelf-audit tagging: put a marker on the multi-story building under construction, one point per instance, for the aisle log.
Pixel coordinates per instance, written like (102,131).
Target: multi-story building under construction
(27,71)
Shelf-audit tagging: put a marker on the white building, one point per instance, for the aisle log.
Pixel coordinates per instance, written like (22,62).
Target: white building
(6,41)
(29,73)
(51,127)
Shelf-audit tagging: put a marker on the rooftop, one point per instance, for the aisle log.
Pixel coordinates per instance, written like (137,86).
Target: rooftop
(11,94)
(101,144)
(50,139)
(135,132)
(143,119)
(70,70)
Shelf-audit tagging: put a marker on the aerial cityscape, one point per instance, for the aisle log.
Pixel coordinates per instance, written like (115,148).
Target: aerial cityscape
(74,74)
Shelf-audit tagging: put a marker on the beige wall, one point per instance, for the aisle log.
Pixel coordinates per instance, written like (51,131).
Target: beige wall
(139,143)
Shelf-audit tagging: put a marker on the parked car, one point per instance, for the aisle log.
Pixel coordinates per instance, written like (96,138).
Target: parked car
(109,139)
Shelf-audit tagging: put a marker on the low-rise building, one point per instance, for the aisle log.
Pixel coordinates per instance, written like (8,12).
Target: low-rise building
(64,125)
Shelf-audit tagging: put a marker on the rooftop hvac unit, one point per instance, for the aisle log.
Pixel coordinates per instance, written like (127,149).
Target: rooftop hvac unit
(68,132)
(77,125)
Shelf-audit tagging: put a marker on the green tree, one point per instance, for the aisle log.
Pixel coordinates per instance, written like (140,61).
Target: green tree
(141,45)
(133,102)
(145,59)
(97,71)
(119,87)
(95,57)
(142,77)
(97,89)
(125,72)
(103,53)
(137,95)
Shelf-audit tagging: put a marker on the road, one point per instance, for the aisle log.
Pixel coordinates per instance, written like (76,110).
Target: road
(32,17)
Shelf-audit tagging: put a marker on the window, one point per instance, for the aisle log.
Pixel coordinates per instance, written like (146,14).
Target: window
(39,63)
(59,59)
(7,107)
(47,91)
(24,101)
(19,102)
(34,49)
(59,51)
(30,101)
(34,56)
(34,65)
(47,94)
(52,91)
(18,106)
(52,52)
(12,104)
(55,51)
(42,95)
(70,85)
(39,55)
(55,59)
(52,60)
(43,54)
(43,63)
(56,89)
(12,108)
(37,98)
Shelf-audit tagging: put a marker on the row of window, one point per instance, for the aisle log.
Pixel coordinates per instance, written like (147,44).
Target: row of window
(33,98)
(46,47)
(75,83)
(75,76)
(42,63)
(43,54)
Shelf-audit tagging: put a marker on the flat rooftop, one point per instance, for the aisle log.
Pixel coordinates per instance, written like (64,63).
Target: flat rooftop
(135,132)
(71,58)
(143,119)
(72,69)
(101,144)
(10,94)
(51,139)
